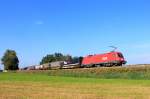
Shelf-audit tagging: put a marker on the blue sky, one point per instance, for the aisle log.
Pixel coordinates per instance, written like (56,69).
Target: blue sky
(35,28)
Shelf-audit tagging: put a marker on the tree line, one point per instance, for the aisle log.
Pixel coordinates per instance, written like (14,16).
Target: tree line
(10,59)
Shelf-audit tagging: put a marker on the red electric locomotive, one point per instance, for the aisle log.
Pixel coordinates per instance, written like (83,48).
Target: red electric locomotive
(107,59)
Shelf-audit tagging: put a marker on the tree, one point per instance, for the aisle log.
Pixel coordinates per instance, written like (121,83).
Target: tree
(47,59)
(80,60)
(59,56)
(52,58)
(10,60)
(68,58)
(75,59)
(56,57)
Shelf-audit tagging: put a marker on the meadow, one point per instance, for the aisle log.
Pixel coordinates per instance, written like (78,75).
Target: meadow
(44,85)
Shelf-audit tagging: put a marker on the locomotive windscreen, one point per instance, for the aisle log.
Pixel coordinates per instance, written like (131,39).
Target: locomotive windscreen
(120,55)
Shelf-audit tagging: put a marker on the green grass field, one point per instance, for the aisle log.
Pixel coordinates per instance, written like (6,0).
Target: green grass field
(42,86)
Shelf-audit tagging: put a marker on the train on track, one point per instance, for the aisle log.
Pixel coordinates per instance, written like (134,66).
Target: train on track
(109,59)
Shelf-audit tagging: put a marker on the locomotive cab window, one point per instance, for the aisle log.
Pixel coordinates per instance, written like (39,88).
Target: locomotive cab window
(120,55)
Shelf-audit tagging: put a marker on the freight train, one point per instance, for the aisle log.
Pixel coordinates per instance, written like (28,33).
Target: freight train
(109,59)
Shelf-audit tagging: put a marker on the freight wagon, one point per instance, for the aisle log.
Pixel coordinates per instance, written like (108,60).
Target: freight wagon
(56,65)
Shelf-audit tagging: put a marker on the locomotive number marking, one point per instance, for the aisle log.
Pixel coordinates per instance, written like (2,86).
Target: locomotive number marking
(104,58)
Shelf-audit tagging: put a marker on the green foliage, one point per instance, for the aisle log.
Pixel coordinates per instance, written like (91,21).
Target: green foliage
(10,60)
(56,57)
(68,58)
(47,59)
(77,59)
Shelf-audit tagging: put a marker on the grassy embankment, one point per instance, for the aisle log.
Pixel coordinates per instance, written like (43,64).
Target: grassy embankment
(141,72)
